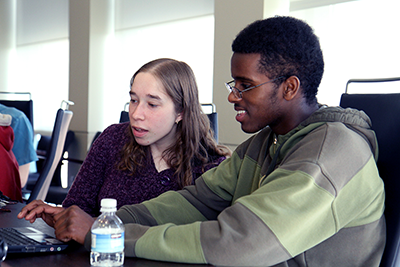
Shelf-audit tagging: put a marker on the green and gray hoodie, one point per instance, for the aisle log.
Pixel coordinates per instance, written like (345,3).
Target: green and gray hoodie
(312,197)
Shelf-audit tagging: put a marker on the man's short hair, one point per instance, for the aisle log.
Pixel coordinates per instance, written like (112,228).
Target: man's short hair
(288,46)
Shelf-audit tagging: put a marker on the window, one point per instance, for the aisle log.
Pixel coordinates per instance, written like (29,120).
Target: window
(358,39)
(40,62)
(189,40)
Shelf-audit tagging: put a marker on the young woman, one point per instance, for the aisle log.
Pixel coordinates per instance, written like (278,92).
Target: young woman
(166,145)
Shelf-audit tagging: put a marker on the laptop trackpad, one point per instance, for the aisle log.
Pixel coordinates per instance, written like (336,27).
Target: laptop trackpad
(38,236)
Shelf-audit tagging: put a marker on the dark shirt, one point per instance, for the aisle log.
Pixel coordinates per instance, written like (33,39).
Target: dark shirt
(99,178)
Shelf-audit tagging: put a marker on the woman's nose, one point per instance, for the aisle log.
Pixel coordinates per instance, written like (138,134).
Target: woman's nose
(136,112)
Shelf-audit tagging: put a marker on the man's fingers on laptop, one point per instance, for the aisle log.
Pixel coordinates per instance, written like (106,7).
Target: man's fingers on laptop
(38,209)
(28,208)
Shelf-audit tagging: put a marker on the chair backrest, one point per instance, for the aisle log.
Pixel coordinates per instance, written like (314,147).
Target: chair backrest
(124,113)
(26,106)
(54,154)
(383,110)
(213,117)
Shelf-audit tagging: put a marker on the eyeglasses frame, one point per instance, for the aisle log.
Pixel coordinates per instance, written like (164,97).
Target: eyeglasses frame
(238,93)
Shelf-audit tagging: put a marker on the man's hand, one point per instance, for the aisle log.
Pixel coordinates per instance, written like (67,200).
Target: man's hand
(72,223)
(38,209)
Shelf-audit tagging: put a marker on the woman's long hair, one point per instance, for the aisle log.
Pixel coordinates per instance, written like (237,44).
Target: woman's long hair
(194,139)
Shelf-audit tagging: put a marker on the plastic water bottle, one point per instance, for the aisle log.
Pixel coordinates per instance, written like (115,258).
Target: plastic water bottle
(108,234)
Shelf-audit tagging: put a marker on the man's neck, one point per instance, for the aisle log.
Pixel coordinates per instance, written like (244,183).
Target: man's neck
(297,116)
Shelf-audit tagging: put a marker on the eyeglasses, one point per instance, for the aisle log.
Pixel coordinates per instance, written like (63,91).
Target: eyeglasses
(238,93)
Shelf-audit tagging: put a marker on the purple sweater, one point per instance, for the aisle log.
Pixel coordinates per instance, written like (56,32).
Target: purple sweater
(98,177)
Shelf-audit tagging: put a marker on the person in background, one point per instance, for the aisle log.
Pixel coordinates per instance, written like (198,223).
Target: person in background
(10,183)
(23,148)
(304,190)
(166,145)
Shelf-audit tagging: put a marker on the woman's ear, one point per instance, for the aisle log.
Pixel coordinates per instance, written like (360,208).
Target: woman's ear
(178,118)
(291,87)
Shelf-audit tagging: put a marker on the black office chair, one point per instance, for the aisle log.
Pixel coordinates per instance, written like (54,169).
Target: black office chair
(124,114)
(25,106)
(53,155)
(212,116)
(383,110)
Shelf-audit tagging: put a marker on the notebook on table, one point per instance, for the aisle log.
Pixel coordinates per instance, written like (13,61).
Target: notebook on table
(29,240)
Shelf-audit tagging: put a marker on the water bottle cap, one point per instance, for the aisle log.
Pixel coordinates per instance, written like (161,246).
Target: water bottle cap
(108,203)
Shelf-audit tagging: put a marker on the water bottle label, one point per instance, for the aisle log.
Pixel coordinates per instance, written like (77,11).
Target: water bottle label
(108,242)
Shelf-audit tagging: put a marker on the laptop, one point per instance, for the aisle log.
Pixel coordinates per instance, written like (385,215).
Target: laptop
(30,240)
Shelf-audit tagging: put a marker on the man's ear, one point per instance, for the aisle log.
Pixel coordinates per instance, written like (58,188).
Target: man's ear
(291,87)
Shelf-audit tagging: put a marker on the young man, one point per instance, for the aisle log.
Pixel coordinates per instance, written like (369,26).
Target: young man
(303,191)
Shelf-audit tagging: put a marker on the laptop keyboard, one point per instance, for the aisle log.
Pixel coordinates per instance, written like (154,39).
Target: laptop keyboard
(15,238)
